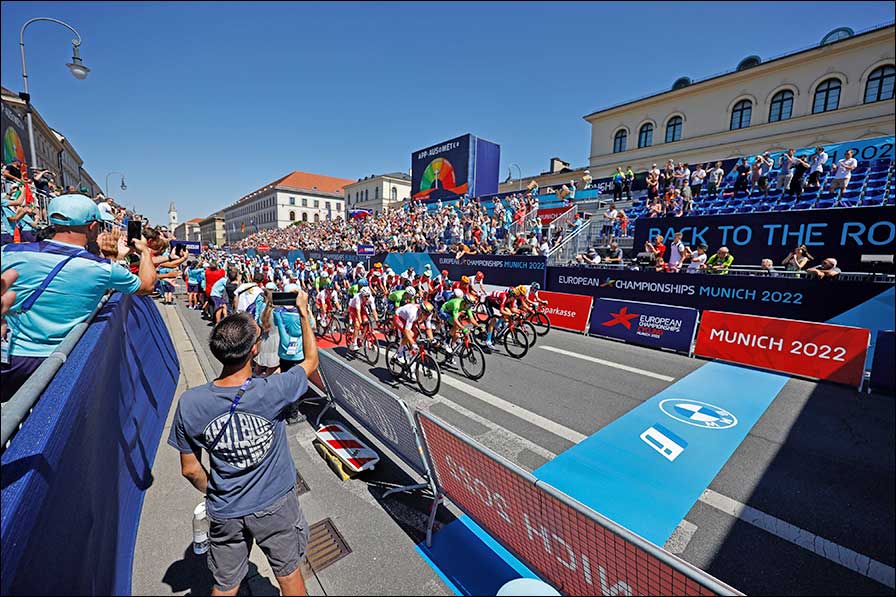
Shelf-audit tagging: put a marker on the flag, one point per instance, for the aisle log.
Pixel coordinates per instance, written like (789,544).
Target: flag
(243,227)
(29,196)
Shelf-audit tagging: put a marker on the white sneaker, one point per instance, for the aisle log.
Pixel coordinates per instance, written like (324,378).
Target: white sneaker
(353,346)
(449,349)
(490,346)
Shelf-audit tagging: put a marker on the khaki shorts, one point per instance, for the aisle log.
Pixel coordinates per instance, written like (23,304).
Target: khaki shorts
(839,184)
(280,531)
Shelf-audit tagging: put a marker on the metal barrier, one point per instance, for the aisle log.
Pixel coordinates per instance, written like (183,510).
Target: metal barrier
(20,405)
(383,414)
(569,545)
(570,246)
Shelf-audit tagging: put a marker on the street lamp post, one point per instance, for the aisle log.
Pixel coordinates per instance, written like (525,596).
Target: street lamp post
(124,186)
(521,175)
(77,68)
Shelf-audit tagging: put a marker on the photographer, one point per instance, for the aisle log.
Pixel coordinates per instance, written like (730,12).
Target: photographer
(250,487)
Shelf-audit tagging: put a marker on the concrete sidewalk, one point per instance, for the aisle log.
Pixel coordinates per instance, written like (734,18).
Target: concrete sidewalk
(381,534)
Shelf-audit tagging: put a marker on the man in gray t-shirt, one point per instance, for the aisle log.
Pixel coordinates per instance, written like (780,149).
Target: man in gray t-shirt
(240,421)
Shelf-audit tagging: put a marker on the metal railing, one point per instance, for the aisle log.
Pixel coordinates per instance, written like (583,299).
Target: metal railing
(22,403)
(571,245)
(566,218)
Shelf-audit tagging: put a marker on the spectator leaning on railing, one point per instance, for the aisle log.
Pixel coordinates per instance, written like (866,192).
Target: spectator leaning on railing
(59,285)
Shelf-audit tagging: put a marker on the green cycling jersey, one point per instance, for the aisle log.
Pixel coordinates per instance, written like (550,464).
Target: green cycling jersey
(455,309)
(396,297)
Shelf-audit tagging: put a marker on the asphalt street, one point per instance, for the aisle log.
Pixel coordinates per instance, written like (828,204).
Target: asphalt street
(803,506)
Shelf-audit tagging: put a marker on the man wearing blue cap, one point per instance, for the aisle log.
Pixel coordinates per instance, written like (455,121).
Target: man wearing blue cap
(59,285)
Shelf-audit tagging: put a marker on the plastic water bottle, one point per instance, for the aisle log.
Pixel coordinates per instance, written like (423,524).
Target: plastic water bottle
(200,529)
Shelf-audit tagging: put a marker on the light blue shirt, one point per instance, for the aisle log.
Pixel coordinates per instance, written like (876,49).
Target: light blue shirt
(69,299)
(289,326)
(195,275)
(219,287)
(7,211)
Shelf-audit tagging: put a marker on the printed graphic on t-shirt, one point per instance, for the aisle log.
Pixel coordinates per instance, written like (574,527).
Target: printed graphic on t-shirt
(246,440)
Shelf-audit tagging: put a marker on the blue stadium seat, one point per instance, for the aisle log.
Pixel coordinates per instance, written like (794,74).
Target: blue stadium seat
(881,164)
(877,176)
(745,209)
(763,207)
(726,211)
(824,203)
(804,204)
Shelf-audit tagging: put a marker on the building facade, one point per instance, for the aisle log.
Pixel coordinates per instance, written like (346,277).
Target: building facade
(839,90)
(211,230)
(52,149)
(297,197)
(378,192)
(189,230)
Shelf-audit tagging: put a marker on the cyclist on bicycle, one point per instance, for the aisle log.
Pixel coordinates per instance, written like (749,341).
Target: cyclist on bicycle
(463,284)
(356,287)
(399,297)
(406,319)
(500,305)
(326,296)
(376,283)
(477,286)
(360,308)
(455,311)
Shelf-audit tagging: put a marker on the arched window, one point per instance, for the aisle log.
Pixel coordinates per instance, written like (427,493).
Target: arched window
(827,96)
(619,141)
(880,84)
(292,216)
(781,107)
(673,129)
(366,194)
(376,193)
(645,136)
(304,216)
(317,217)
(394,194)
(741,114)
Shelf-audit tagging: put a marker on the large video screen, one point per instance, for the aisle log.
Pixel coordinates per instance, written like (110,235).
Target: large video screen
(442,171)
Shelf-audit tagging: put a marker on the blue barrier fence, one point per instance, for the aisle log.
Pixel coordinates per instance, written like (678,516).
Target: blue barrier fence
(74,476)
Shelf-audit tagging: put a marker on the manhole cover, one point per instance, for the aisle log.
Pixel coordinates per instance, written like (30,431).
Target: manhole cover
(301,485)
(325,545)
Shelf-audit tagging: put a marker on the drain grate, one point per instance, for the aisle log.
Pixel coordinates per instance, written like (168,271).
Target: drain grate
(301,485)
(325,546)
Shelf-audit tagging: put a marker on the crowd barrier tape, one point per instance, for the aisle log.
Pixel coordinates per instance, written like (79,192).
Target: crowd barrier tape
(848,233)
(883,376)
(567,311)
(75,474)
(823,351)
(646,324)
(570,546)
(380,412)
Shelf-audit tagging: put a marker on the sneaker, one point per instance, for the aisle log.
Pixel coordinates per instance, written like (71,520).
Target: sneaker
(449,349)
(353,346)
(490,346)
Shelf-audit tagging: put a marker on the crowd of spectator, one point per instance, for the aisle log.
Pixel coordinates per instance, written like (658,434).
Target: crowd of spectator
(463,227)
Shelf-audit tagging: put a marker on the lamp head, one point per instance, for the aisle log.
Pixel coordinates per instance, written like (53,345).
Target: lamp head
(124,186)
(79,71)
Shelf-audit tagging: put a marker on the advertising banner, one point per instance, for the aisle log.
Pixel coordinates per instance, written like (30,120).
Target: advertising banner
(366,250)
(499,270)
(882,372)
(846,233)
(15,137)
(486,160)
(647,324)
(576,550)
(550,214)
(567,311)
(830,352)
(193,246)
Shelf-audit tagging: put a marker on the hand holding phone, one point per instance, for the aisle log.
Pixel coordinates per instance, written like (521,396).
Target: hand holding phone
(135,230)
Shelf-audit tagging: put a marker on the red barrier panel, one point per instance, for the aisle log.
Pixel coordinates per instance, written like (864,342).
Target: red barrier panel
(573,548)
(550,214)
(824,351)
(568,311)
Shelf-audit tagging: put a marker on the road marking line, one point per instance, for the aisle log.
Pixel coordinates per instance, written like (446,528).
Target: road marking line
(518,411)
(643,372)
(493,428)
(680,539)
(825,548)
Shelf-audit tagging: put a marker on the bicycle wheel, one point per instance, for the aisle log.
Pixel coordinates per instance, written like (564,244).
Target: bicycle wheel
(428,375)
(371,348)
(472,361)
(335,330)
(395,368)
(516,343)
(528,329)
(541,322)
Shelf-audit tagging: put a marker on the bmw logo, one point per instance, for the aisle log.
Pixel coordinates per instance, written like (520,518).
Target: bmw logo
(698,414)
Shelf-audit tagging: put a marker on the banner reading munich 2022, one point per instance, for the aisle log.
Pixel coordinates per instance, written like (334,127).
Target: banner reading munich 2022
(465,165)
(845,234)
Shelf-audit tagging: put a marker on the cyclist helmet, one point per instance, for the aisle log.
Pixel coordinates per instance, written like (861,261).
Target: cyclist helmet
(444,273)
(410,291)
(535,287)
(365,291)
(520,290)
(465,279)
(324,274)
(378,265)
(458,293)
(390,272)
(427,306)
(363,282)
(427,274)
(479,275)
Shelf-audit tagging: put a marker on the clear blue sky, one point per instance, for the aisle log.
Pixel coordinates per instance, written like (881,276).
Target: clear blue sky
(202,103)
